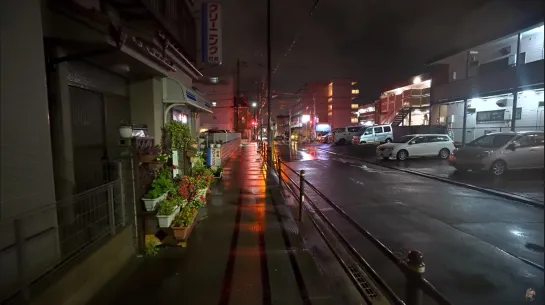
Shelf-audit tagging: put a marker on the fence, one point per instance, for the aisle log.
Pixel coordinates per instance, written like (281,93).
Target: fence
(41,242)
(413,268)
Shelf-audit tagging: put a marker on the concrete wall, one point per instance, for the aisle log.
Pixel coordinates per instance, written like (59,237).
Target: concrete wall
(86,278)
(146,105)
(222,94)
(26,178)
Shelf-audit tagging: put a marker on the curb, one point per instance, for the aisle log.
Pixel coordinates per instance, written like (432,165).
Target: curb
(526,200)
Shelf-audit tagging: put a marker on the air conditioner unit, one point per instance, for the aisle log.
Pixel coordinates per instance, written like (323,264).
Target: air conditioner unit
(504,102)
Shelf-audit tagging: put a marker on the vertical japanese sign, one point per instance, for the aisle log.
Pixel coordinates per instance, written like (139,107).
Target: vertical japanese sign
(211,33)
(214,157)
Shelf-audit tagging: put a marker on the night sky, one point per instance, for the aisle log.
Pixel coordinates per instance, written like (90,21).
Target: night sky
(375,42)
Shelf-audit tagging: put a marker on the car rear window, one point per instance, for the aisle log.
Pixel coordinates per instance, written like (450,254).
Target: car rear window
(387,129)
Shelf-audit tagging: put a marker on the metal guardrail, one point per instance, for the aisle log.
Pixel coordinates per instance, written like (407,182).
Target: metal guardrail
(413,268)
(42,241)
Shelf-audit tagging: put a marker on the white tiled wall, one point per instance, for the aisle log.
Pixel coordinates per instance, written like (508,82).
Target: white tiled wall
(531,42)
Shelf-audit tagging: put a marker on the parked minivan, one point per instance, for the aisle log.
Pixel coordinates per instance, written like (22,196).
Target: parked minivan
(344,135)
(377,133)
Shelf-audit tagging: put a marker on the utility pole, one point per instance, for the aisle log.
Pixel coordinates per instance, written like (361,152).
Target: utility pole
(269,138)
(237,97)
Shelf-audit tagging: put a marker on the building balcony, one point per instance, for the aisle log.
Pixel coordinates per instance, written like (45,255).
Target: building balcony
(529,74)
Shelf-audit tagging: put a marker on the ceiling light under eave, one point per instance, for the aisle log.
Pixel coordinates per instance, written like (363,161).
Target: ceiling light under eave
(214,80)
(417,80)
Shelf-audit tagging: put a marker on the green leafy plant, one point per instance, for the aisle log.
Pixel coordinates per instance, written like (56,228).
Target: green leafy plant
(154,193)
(185,217)
(166,207)
(197,203)
(163,157)
(150,248)
(179,136)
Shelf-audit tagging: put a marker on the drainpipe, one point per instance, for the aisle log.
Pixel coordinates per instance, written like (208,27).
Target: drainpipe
(515,93)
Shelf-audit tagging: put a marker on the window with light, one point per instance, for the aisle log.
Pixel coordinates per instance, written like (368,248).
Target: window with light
(329,107)
(354,106)
(354,120)
(355,91)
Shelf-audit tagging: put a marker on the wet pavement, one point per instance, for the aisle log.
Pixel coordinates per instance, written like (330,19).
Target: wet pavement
(478,248)
(245,249)
(528,183)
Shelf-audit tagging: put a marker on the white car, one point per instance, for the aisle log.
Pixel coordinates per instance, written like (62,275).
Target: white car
(417,145)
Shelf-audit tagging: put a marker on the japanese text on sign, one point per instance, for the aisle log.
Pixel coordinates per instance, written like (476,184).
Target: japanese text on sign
(212,36)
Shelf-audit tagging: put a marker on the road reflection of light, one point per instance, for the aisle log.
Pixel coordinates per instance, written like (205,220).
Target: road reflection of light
(306,156)
(517,233)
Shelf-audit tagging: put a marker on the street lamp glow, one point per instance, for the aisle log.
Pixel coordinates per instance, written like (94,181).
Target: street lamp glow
(254,104)
(305,118)
(417,80)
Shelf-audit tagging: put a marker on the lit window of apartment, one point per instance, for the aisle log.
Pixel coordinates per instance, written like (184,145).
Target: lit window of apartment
(330,113)
(354,83)
(354,106)
(329,100)
(329,107)
(355,91)
(330,89)
(354,120)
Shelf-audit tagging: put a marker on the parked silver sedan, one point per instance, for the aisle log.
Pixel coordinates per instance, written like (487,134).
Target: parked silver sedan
(497,152)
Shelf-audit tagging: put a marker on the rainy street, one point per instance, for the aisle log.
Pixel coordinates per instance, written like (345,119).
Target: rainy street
(478,248)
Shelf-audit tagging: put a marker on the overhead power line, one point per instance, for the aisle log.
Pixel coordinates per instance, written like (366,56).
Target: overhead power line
(292,45)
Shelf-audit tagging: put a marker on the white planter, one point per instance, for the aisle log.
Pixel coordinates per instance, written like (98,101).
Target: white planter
(202,192)
(125,132)
(151,204)
(166,220)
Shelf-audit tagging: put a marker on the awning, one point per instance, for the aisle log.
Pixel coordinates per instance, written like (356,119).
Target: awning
(175,93)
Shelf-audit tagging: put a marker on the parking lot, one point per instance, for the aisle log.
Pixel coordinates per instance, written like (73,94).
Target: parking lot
(523,183)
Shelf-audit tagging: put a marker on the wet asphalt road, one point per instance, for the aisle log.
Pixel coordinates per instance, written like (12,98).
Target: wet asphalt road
(474,244)
(523,183)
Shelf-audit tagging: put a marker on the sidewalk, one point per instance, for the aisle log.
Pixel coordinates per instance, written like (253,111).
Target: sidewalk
(245,249)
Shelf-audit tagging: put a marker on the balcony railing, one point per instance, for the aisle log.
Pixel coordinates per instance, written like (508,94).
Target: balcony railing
(528,75)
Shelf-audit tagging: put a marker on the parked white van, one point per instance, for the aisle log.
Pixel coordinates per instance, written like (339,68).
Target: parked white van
(377,133)
(344,135)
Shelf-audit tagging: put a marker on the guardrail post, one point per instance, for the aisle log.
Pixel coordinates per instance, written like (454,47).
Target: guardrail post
(111,208)
(279,170)
(416,265)
(20,248)
(301,193)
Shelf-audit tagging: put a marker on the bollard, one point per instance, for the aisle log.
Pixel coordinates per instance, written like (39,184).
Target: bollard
(416,265)
(301,193)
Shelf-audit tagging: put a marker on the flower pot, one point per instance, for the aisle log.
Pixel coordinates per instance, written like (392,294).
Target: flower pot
(182,233)
(156,165)
(125,132)
(147,158)
(166,220)
(151,204)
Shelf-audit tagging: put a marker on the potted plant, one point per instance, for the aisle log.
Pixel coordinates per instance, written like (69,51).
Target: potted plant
(183,222)
(125,130)
(151,243)
(149,154)
(166,212)
(152,198)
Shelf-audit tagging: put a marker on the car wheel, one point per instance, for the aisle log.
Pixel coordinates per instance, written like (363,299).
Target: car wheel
(498,168)
(402,155)
(444,153)
(388,140)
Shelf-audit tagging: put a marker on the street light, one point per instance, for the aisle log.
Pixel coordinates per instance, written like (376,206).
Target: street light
(254,104)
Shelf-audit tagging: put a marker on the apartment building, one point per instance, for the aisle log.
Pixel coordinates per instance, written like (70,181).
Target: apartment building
(220,92)
(495,86)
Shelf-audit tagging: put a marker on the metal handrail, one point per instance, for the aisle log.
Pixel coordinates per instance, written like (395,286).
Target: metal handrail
(414,276)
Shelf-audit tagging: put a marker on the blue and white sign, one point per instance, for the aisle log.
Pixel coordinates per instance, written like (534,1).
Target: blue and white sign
(190,95)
